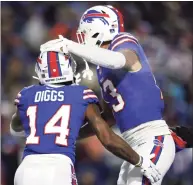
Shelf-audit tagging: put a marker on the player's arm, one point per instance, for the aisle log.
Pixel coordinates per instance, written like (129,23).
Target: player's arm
(123,56)
(93,54)
(106,114)
(108,138)
(16,127)
(132,60)
(85,131)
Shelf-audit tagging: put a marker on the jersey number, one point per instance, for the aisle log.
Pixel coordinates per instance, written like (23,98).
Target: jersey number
(62,131)
(107,84)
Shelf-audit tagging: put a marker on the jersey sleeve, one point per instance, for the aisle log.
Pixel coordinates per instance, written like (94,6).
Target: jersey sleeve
(90,97)
(124,41)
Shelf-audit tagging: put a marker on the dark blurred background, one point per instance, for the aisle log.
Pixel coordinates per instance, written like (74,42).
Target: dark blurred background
(165,30)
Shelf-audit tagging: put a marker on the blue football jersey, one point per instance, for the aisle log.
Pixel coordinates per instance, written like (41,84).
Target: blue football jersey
(133,96)
(52,117)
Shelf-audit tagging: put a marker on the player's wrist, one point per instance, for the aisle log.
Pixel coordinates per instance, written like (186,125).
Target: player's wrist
(140,162)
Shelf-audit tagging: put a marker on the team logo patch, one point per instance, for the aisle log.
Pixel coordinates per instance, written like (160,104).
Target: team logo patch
(158,143)
(93,14)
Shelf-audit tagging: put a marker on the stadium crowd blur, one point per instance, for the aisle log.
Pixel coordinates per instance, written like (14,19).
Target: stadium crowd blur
(164,29)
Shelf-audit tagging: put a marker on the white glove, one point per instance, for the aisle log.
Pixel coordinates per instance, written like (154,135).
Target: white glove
(149,169)
(57,45)
(87,73)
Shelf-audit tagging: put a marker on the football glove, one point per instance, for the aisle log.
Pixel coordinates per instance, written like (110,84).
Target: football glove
(57,45)
(149,169)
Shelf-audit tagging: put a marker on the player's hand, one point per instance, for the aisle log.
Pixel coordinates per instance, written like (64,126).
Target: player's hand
(57,45)
(149,169)
(87,73)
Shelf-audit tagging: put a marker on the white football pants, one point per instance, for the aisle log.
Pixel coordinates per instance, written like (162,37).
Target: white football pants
(45,169)
(164,149)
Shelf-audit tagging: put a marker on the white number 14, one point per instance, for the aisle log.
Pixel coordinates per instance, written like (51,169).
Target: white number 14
(62,115)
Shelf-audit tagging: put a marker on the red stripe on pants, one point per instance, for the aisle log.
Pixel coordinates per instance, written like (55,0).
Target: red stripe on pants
(157,150)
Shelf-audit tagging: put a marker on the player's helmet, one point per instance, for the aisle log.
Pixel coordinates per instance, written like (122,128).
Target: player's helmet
(99,24)
(53,68)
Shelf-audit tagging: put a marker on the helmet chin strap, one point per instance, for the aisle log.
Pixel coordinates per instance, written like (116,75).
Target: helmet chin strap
(87,73)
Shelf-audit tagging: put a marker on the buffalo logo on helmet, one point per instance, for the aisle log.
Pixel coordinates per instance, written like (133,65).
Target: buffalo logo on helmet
(93,14)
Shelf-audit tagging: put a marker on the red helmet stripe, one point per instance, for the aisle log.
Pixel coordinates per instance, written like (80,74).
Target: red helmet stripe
(120,19)
(52,64)
(96,15)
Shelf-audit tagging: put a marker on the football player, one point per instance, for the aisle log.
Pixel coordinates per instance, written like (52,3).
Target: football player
(49,115)
(128,87)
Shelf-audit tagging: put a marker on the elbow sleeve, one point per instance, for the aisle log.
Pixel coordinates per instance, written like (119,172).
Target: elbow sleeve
(98,56)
